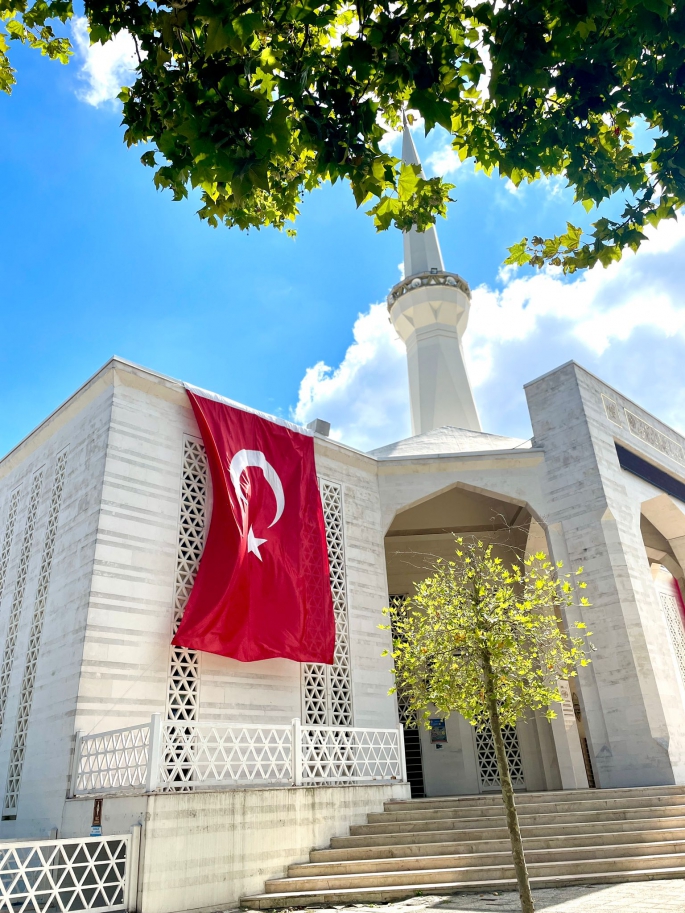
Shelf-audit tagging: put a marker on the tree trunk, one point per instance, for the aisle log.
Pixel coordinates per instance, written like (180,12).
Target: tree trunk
(527,905)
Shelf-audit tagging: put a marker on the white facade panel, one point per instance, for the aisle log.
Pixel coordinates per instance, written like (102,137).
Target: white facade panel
(45,769)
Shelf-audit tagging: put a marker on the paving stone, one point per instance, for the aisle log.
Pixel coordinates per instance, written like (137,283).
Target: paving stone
(633,897)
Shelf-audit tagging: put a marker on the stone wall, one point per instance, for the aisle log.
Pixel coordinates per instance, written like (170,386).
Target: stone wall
(206,850)
(593,520)
(81,426)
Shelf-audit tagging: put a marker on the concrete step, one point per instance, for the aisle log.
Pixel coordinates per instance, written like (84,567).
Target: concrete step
(597,803)
(444,846)
(573,795)
(544,830)
(504,870)
(391,893)
(483,859)
(402,850)
(527,820)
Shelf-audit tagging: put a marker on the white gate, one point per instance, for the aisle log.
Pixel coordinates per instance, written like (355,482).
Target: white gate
(97,874)
(488,775)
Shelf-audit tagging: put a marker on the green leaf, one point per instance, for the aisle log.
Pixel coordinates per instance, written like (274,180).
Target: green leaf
(408,181)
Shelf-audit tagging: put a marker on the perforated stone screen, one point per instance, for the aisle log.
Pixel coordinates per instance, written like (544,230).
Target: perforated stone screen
(488,774)
(184,665)
(674,623)
(18,749)
(327,690)
(19,590)
(8,537)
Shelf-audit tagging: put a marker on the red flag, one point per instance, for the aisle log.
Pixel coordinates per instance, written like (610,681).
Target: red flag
(263,586)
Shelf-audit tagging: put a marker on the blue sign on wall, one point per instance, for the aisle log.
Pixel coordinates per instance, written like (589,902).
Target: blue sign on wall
(438,730)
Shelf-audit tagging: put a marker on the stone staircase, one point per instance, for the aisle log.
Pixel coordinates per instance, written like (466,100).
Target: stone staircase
(443,846)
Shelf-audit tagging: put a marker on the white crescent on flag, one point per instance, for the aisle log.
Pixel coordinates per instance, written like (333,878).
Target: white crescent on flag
(240,462)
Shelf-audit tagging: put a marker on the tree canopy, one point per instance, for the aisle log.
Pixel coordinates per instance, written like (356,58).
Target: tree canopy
(478,627)
(256,102)
(483,638)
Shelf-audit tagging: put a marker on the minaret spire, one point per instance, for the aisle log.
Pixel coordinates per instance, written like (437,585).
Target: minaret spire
(429,308)
(421,248)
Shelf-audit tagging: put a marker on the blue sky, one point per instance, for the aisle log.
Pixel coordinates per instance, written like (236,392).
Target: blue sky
(96,262)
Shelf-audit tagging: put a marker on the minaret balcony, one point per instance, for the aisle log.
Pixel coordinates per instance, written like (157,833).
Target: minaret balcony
(423,280)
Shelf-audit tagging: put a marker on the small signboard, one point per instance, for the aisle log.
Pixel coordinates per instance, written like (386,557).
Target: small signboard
(96,824)
(438,731)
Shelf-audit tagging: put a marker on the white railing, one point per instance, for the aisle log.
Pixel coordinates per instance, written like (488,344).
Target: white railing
(214,753)
(333,755)
(190,755)
(66,876)
(111,761)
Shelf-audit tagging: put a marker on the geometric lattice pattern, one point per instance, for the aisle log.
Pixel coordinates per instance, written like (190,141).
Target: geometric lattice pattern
(8,538)
(29,678)
(216,754)
(487,759)
(327,690)
(183,690)
(63,875)
(111,761)
(674,623)
(350,755)
(184,665)
(315,694)
(19,590)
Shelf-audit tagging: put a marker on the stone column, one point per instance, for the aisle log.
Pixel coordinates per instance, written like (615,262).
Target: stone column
(591,523)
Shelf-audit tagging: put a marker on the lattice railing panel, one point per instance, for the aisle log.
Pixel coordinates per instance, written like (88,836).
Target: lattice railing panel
(327,690)
(8,537)
(208,753)
(64,876)
(29,677)
(333,755)
(19,591)
(488,773)
(201,755)
(674,623)
(112,761)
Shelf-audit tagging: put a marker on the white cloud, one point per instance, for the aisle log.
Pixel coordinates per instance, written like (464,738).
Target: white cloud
(444,161)
(366,397)
(104,67)
(626,323)
(598,308)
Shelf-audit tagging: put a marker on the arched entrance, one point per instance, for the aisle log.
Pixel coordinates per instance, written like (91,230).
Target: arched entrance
(662,524)
(451,758)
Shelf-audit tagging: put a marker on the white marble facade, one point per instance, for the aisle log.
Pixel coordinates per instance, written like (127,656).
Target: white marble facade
(104,659)
(85,622)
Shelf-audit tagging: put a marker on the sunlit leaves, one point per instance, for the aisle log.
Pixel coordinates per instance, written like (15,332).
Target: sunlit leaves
(258,102)
(476,613)
(30,24)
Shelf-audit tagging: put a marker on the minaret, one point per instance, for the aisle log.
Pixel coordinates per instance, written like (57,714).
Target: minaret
(430,310)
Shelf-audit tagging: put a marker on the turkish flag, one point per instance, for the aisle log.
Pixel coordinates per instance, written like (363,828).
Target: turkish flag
(263,586)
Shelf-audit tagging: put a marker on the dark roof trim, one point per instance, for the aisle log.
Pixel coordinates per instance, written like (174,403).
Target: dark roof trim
(650,473)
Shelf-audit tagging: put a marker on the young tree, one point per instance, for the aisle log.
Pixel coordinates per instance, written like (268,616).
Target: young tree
(483,638)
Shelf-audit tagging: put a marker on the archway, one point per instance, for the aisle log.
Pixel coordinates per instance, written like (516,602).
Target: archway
(451,758)
(662,524)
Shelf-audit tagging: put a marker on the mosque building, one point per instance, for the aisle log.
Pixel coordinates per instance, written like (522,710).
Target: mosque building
(242,768)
